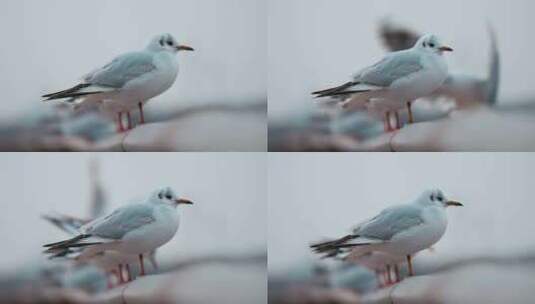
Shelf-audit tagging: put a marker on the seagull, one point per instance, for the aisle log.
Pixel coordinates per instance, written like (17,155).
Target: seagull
(397,80)
(108,261)
(128,81)
(134,229)
(467,90)
(401,230)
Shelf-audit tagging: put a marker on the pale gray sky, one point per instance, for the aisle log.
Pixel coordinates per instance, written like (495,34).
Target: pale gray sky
(317,43)
(229,191)
(47,45)
(316,195)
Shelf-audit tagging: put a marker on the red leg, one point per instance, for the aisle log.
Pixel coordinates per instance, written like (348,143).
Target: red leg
(396,272)
(142,265)
(141,116)
(378,278)
(409,261)
(409,107)
(128,272)
(388,127)
(121,278)
(110,280)
(388,275)
(120,122)
(398,122)
(129,120)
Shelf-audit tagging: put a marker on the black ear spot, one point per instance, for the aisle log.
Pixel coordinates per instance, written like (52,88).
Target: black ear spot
(432,197)
(161,43)
(160,194)
(425,44)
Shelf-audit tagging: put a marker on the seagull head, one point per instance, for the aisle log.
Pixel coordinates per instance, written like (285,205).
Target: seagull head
(437,198)
(431,43)
(167,43)
(166,195)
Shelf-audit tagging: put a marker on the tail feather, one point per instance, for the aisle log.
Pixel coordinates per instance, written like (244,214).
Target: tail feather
(339,246)
(61,254)
(334,242)
(69,242)
(74,89)
(75,92)
(335,89)
(341,93)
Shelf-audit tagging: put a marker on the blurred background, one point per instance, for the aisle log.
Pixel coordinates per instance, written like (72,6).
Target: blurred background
(318,196)
(226,225)
(52,44)
(316,44)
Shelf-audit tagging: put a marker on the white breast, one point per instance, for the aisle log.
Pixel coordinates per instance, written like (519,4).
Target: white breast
(146,86)
(422,236)
(153,235)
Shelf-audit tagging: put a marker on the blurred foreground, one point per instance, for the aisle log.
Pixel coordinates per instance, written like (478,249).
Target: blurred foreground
(483,279)
(217,127)
(203,280)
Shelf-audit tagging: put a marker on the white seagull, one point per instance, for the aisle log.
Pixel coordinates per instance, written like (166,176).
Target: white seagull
(129,80)
(107,261)
(134,229)
(397,80)
(401,230)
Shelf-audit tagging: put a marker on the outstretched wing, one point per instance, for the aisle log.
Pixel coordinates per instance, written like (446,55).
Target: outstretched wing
(120,222)
(121,70)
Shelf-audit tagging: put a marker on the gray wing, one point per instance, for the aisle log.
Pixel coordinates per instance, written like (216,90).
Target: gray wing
(390,69)
(389,222)
(122,221)
(121,70)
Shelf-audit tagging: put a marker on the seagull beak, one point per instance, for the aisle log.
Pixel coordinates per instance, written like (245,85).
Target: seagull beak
(184,48)
(183,201)
(453,203)
(445,49)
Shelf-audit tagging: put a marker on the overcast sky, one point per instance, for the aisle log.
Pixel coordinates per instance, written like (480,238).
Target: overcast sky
(48,45)
(316,195)
(317,43)
(229,191)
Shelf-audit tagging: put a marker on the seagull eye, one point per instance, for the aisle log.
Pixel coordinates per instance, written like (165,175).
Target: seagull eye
(168,196)
(169,43)
(432,45)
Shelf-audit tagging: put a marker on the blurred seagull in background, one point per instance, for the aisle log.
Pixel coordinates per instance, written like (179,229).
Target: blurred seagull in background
(397,80)
(129,81)
(135,229)
(401,230)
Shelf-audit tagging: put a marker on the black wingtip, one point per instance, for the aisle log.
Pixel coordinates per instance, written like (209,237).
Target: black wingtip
(68,242)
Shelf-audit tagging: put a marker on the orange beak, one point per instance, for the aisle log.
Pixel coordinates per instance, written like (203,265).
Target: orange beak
(453,203)
(183,201)
(184,48)
(445,49)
